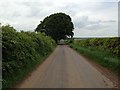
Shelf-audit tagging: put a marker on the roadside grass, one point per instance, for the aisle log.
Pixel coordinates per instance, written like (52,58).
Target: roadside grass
(103,58)
(19,75)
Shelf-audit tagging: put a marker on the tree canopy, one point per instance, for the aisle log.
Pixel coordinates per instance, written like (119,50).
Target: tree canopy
(58,26)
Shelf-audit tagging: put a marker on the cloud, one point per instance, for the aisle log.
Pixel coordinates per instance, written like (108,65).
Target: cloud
(84,22)
(92,18)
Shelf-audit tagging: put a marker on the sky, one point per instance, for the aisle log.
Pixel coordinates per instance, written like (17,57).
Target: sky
(91,18)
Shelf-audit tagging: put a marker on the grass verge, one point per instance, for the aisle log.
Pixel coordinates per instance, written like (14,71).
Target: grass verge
(103,58)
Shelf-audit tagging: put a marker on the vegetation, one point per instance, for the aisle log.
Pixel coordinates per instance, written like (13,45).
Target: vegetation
(111,45)
(21,52)
(58,26)
(104,51)
(0,57)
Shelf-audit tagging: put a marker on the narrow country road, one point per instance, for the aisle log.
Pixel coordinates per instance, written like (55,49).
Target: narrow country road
(65,68)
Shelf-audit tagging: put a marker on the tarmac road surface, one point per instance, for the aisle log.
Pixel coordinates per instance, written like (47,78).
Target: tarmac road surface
(65,68)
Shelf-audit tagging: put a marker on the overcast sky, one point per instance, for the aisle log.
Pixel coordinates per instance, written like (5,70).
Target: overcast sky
(91,18)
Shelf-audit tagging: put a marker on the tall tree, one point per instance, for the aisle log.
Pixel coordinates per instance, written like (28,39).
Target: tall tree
(58,26)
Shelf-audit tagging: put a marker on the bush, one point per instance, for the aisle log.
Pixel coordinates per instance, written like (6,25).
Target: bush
(22,50)
(111,45)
